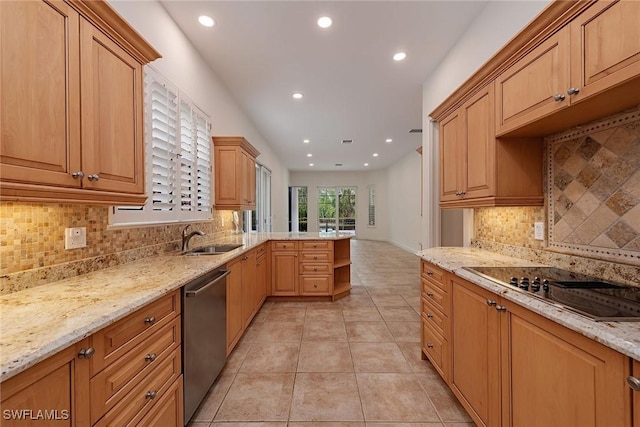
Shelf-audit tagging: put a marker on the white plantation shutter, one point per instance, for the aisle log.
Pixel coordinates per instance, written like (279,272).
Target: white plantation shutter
(178,158)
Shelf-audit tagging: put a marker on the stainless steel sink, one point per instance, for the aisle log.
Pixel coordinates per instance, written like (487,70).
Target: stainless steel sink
(213,249)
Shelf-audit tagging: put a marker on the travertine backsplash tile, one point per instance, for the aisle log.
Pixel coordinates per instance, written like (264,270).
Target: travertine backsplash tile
(592,209)
(32,241)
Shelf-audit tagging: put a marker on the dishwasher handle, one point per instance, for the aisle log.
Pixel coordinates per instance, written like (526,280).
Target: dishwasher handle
(193,293)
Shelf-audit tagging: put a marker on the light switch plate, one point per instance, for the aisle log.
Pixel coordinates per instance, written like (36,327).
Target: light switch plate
(538,230)
(75,237)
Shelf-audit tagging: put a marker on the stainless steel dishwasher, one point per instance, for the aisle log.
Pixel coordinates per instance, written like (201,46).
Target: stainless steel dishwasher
(204,329)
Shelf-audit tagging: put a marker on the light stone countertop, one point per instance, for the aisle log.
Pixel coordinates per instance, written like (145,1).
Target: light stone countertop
(39,322)
(621,336)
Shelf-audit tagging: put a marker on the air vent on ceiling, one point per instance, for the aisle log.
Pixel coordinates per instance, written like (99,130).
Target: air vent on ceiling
(338,164)
(347,141)
(415,131)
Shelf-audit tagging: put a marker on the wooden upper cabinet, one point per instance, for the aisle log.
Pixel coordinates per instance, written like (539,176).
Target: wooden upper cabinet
(605,47)
(235,173)
(112,125)
(39,104)
(534,86)
(452,155)
(71,90)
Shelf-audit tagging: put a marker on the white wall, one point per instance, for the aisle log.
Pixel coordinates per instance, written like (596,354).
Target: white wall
(184,67)
(498,22)
(404,202)
(361,180)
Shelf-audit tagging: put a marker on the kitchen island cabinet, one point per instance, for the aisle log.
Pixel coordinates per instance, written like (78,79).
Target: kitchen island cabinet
(74,132)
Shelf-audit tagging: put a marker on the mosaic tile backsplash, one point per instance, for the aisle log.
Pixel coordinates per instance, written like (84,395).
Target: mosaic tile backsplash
(32,241)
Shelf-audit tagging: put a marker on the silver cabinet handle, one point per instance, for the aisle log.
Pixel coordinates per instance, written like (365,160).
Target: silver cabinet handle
(150,357)
(501,308)
(151,394)
(429,316)
(93,177)
(634,383)
(491,302)
(429,345)
(77,175)
(458,193)
(558,97)
(462,193)
(430,294)
(86,353)
(150,320)
(429,273)
(573,90)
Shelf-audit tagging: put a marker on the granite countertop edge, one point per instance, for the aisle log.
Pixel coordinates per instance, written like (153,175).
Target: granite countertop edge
(620,336)
(37,323)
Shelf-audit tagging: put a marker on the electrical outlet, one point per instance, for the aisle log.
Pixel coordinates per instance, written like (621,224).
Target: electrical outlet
(75,238)
(538,230)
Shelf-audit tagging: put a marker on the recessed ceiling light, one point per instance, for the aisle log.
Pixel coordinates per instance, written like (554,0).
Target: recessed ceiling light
(324,22)
(310,164)
(388,140)
(366,164)
(399,56)
(207,21)
(309,155)
(297,95)
(306,141)
(375,154)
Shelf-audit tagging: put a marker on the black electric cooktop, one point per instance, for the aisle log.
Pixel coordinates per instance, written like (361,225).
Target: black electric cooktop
(595,298)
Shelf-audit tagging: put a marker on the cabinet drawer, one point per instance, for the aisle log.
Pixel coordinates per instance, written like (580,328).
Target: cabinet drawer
(168,411)
(320,285)
(309,268)
(261,250)
(435,274)
(434,318)
(114,341)
(434,347)
(315,257)
(114,382)
(284,246)
(316,246)
(130,409)
(436,296)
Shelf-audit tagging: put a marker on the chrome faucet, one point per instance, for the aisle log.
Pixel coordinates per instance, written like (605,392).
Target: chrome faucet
(186,237)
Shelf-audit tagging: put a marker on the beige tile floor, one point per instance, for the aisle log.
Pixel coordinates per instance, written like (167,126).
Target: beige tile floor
(352,363)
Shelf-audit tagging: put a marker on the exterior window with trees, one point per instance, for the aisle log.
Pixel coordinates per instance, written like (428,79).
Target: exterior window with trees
(337,209)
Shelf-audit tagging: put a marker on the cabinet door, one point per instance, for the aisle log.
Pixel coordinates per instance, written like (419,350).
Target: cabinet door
(605,46)
(261,281)
(248,288)
(39,93)
(228,168)
(475,377)
(559,377)
(248,179)
(59,385)
(480,142)
(112,122)
(526,91)
(234,304)
(452,157)
(636,396)
(284,274)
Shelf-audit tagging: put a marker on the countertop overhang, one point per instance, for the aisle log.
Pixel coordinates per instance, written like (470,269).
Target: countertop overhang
(38,322)
(620,336)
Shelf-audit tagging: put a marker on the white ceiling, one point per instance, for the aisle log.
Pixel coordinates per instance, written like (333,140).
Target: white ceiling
(264,51)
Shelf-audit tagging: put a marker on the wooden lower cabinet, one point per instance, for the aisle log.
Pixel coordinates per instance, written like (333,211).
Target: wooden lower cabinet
(56,389)
(284,273)
(636,394)
(261,281)
(234,304)
(577,381)
(512,367)
(475,378)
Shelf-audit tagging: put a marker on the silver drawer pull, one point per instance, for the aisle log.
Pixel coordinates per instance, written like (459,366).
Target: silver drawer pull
(150,357)
(429,345)
(491,302)
(430,294)
(77,175)
(151,394)
(86,353)
(634,383)
(150,320)
(93,177)
(429,316)
(573,90)
(501,308)
(558,97)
